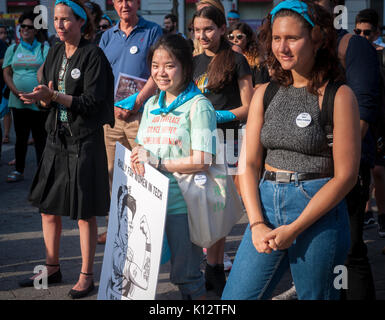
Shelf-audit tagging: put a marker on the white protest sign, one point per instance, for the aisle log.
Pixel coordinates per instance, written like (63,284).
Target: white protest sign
(135,232)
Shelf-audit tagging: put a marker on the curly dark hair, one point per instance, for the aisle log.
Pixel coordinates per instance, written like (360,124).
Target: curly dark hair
(252,52)
(326,66)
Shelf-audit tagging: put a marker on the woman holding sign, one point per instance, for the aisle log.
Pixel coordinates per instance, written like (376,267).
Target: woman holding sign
(175,135)
(72,178)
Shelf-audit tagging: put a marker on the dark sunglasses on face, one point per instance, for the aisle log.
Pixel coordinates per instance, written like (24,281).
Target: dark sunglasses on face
(366,32)
(239,36)
(30,27)
(104,26)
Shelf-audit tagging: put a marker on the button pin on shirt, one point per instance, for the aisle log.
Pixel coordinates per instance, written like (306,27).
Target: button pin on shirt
(303,120)
(133,49)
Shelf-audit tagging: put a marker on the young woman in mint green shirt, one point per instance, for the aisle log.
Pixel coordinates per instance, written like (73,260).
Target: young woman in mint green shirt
(176,135)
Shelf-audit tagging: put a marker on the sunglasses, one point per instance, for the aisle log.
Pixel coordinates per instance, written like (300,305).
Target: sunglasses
(30,27)
(366,32)
(104,26)
(239,36)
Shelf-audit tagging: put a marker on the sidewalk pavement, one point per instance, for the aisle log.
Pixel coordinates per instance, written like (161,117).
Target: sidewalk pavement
(22,246)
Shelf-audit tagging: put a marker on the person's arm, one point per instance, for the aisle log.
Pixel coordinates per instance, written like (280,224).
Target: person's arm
(196,162)
(246,93)
(8,79)
(362,76)
(94,92)
(147,91)
(40,73)
(346,157)
(249,168)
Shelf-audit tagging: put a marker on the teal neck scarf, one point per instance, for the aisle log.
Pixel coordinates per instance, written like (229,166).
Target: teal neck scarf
(28,46)
(190,92)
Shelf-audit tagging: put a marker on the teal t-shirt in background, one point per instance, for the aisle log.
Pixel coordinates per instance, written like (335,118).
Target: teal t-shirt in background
(24,63)
(173,136)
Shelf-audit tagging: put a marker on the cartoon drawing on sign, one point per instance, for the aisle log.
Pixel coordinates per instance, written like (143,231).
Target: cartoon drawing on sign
(126,274)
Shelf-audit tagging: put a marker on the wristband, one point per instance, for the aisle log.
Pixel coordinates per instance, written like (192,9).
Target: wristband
(256,223)
(55,94)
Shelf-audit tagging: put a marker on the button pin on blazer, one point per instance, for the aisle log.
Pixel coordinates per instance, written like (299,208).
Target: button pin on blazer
(75,73)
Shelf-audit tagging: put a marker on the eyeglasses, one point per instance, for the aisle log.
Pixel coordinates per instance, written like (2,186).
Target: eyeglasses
(366,32)
(239,36)
(104,26)
(30,27)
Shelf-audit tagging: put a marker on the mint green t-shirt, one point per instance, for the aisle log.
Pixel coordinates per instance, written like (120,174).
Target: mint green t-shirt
(25,64)
(174,135)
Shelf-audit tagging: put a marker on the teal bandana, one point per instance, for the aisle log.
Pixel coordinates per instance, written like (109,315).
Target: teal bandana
(190,92)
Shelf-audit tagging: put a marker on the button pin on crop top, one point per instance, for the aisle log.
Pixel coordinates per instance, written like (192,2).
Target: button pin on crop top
(303,120)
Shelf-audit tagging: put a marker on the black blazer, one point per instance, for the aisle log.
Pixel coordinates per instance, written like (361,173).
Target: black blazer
(90,81)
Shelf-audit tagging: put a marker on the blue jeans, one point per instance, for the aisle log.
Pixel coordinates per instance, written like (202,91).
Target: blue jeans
(311,258)
(186,258)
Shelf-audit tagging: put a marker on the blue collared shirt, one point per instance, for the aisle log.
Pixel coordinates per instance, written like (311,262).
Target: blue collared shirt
(129,54)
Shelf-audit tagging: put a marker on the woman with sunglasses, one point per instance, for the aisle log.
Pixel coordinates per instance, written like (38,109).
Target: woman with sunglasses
(224,77)
(105,23)
(72,179)
(20,69)
(241,35)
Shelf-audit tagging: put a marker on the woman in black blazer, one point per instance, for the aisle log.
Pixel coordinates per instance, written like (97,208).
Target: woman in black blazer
(72,178)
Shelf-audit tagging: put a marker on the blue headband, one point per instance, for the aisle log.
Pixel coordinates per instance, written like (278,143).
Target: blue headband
(233,15)
(104,16)
(293,5)
(78,10)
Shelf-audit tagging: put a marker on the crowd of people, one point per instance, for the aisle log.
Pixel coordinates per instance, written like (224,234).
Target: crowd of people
(310,99)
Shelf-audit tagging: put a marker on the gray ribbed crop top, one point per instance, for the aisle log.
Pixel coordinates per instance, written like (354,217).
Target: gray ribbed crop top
(289,146)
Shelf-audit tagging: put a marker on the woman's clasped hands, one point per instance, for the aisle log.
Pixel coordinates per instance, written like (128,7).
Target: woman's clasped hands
(266,240)
(40,93)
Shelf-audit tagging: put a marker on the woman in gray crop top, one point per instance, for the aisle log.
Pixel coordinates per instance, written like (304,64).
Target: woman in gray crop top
(297,214)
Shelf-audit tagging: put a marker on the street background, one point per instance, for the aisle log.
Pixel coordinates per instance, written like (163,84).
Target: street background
(22,246)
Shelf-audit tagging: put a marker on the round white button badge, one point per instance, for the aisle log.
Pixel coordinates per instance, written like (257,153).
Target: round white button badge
(133,49)
(303,120)
(20,55)
(75,73)
(200,179)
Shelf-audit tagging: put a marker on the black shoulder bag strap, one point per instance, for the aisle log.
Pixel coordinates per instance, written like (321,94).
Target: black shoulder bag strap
(271,90)
(328,110)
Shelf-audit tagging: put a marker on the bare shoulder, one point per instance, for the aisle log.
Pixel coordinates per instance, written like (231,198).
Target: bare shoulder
(344,92)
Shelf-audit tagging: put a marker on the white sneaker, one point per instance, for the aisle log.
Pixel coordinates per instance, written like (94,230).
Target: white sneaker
(290,294)
(227,262)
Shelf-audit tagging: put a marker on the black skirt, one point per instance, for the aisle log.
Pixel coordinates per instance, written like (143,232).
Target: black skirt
(72,177)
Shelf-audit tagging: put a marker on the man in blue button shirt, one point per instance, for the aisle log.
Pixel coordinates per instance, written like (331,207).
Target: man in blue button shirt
(126,46)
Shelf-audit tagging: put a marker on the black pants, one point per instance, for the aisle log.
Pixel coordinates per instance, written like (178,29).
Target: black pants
(360,278)
(25,121)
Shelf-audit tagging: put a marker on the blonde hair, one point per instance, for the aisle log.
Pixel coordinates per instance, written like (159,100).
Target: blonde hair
(214,3)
